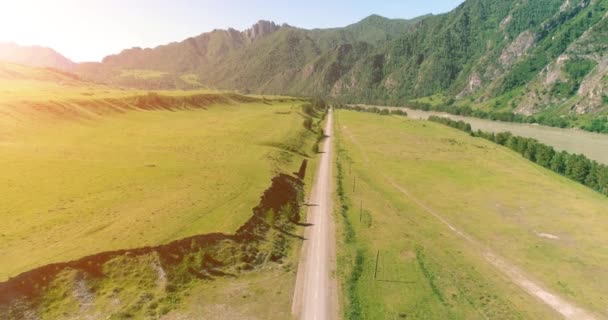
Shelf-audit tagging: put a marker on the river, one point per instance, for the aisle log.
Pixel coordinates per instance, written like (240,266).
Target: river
(592,145)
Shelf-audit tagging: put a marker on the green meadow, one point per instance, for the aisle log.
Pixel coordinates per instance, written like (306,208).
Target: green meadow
(21,85)
(78,186)
(403,181)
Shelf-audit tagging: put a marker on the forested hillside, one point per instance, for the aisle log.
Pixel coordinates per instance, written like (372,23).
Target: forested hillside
(541,57)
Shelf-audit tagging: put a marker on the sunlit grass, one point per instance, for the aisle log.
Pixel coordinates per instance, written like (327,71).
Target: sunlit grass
(80,179)
(142,74)
(504,202)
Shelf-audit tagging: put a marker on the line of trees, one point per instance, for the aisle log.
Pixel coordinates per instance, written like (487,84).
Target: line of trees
(317,108)
(380,111)
(467,111)
(599,125)
(460,125)
(505,116)
(574,166)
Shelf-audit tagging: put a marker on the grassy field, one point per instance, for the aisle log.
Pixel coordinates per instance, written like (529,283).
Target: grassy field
(142,74)
(20,84)
(407,176)
(91,168)
(137,178)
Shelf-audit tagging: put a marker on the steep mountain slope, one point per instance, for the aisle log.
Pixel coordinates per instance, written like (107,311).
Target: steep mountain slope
(191,53)
(542,56)
(34,56)
(260,58)
(173,65)
(488,51)
(575,79)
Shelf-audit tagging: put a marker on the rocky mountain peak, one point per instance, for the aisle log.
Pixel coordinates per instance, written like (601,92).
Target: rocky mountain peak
(260,29)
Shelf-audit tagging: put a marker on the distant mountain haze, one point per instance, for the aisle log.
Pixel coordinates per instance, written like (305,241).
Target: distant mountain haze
(35,56)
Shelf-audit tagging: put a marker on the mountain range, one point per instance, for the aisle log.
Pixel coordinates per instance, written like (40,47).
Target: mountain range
(522,56)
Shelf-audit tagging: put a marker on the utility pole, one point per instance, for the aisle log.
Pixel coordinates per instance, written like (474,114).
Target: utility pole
(376,270)
(361,211)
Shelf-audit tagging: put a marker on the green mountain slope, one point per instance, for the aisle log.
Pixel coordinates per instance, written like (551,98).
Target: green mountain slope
(530,57)
(260,58)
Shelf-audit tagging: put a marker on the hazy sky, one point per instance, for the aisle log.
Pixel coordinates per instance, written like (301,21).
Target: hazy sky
(88,30)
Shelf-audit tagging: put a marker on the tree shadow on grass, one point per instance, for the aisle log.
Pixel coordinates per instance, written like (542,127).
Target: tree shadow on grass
(287,233)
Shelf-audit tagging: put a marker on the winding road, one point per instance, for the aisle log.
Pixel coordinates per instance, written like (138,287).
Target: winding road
(315,296)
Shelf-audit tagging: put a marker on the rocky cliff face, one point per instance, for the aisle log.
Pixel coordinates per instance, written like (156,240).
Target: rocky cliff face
(576,80)
(260,29)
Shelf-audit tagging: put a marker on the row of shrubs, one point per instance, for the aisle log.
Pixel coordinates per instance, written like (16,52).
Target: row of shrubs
(574,166)
(382,112)
(354,310)
(599,124)
(467,111)
(316,108)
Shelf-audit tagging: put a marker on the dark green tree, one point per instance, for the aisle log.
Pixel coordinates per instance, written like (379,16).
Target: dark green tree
(592,179)
(577,168)
(602,179)
(544,155)
(558,162)
(530,150)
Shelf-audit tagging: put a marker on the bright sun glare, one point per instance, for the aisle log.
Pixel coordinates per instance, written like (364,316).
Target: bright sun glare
(65,25)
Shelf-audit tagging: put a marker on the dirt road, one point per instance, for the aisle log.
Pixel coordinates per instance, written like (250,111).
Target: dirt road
(315,295)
